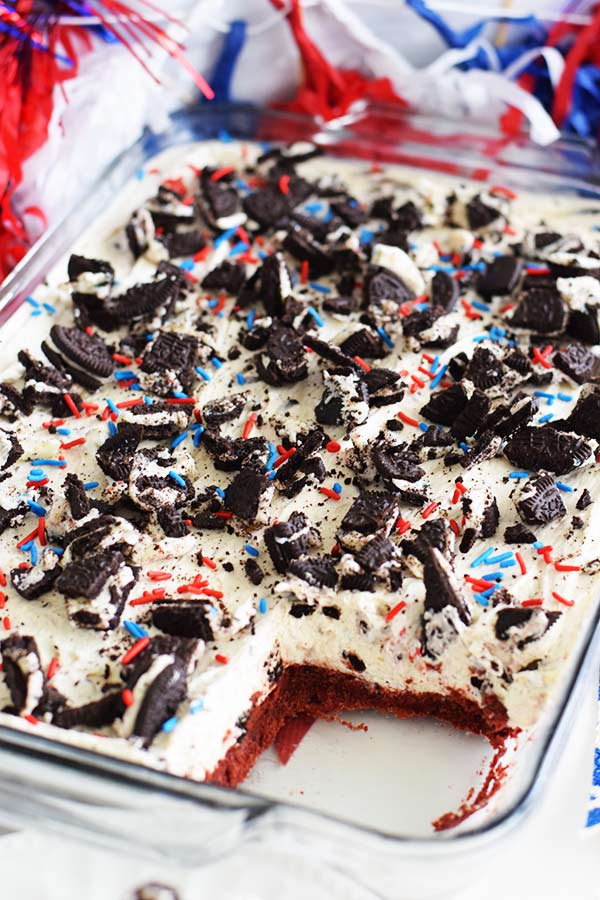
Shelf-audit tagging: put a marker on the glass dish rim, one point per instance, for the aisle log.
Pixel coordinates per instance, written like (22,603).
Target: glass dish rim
(153,780)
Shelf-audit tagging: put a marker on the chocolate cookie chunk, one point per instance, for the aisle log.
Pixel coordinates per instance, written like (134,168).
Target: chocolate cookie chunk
(78,265)
(523,625)
(485,369)
(541,310)
(471,416)
(539,501)
(444,291)
(143,302)
(585,416)
(226,409)
(171,520)
(267,206)
(518,534)
(545,448)
(227,276)
(445,606)
(331,353)
(85,350)
(115,455)
(584,500)
(381,284)
(159,419)
(446,405)
(584,325)
(316,571)
(480,214)
(243,497)
(434,533)
(23,673)
(97,714)
(229,454)
(577,362)
(303,247)
(253,571)
(31,583)
(397,462)
(77,498)
(290,540)
(187,620)
(171,352)
(96,589)
(364,343)
(283,360)
(500,276)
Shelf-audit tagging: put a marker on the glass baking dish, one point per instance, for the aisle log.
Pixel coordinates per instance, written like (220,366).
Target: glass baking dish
(360,803)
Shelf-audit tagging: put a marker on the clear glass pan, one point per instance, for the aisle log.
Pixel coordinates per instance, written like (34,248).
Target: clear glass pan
(360,804)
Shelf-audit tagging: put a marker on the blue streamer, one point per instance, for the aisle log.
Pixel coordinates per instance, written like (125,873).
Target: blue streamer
(223,72)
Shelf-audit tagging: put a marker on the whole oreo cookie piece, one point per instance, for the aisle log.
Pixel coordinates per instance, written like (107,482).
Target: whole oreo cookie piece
(539,501)
(85,350)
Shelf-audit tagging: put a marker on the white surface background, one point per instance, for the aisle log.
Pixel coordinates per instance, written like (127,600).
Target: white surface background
(551,858)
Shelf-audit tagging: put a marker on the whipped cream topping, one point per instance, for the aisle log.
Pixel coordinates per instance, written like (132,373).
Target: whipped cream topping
(272,558)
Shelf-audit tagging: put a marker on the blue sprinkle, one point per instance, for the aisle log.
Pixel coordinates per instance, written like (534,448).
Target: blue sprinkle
(112,427)
(34,554)
(240,378)
(482,558)
(313,208)
(220,492)
(474,267)
(537,544)
(272,455)
(566,397)
(134,629)
(170,724)
(90,485)
(497,330)
(37,477)
(49,308)
(149,337)
(251,550)
(262,254)
(315,316)
(435,381)
(197,705)
(124,375)
(545,418)
(212,303)
(240,247)
(508,563)
(421,306)
(336,486)
(202,373)
(464,446)
(477,304)
(36,312)
(493,560)
(57,550)
(148,401)
(176,478)
(224,236)
(564,487)
(187,264)
(262,605)
(34,472)
(225,137)
(179,439)
(435,364)
(328,215)
(36,508)
(140,174)
(366,235)
(518,474)
(180,395)
(32,302)
(195,426)
(488,592)
(250,319)
(63,431)
(136,386)
(385,338)
(544,394)
(320,288)
(27,547)
(271,474)
(493,576)
(216,362)
(423,426)
(483,601)
(61,463)
(112,406)
(198,436)
(241,185)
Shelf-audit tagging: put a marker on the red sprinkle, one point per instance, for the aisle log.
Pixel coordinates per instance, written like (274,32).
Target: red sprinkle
(209,562)
(332,446)
(221,173)
(72,406)
(127,697)
(540,358)
(563,567)
(37,483)
(127,404)
(418,381)
(181,401)
(6,623)
(521,561)
(285,455)
(159,576)
(407,419)
(537,601)
(31,719)
(52,668)
(563,600)
(135,650)
(395,610)
(506,308)
(2,600)
(2,579)
(249,425)
(284,184)
(223,514)
(403,525)
(508,229)
(431,507)
(304,271)
(74,443)
(41,530)
(221,658)
(455,526)
(210,592)
(362,363)
(29,537)
(539,270)
(503,191)
(119,357)
(329,493)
